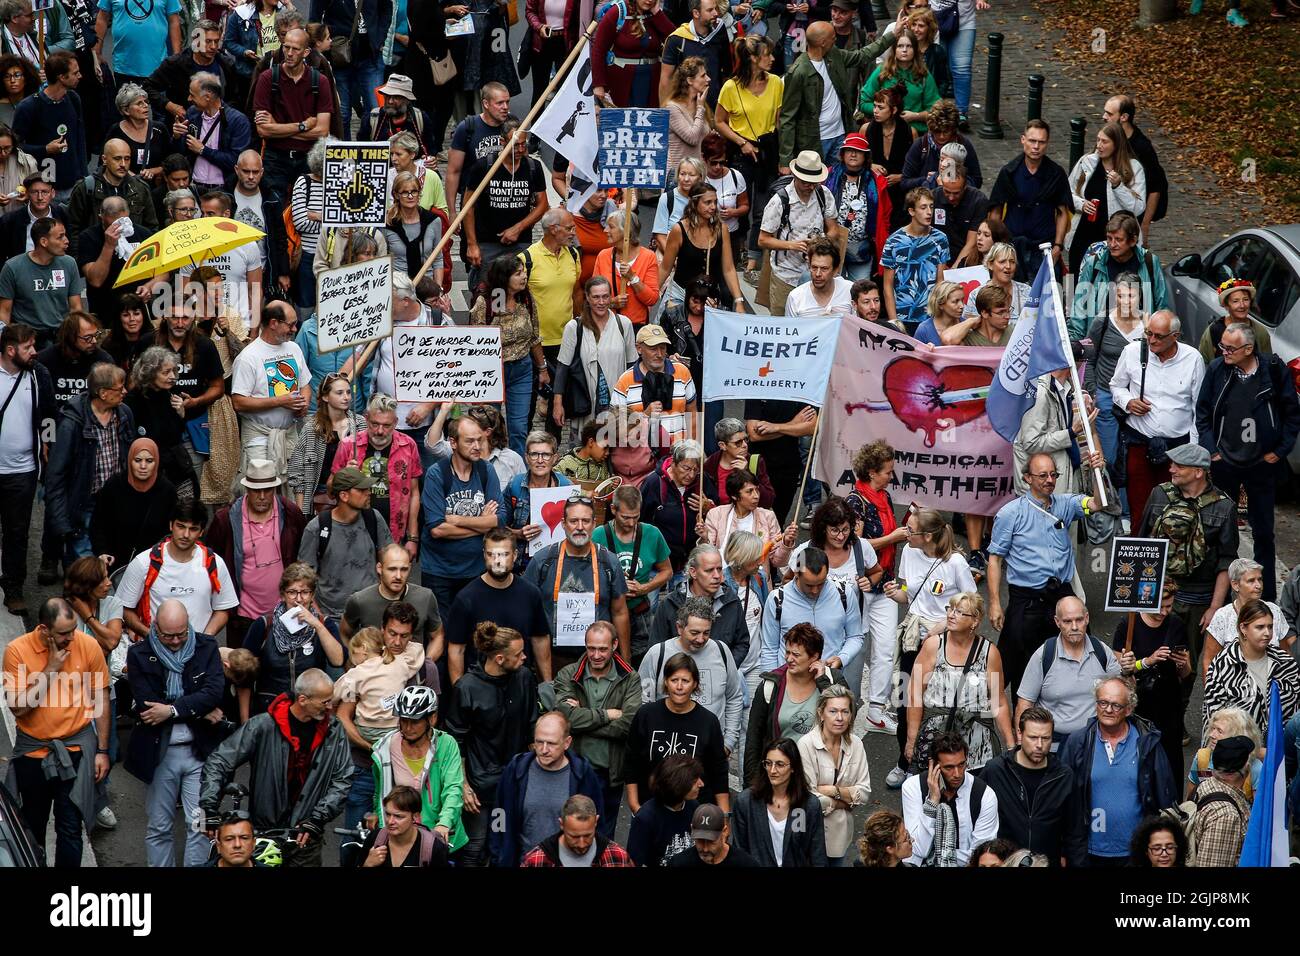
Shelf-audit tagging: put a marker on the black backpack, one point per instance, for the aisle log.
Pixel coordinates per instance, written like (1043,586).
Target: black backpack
(275,82)
(327,523)
(1049,653)
(779,190)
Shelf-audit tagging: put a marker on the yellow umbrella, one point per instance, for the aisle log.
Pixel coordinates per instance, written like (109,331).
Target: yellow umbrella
(185,244)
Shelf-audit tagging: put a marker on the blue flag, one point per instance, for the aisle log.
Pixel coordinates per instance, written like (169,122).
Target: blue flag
(1266,837)
(1036,347)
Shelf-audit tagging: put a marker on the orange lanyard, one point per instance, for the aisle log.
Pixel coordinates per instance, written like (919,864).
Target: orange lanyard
(559,571)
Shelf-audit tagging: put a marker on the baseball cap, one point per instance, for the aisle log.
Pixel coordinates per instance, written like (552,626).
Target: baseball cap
(652,335)
(347,479)
(708,822)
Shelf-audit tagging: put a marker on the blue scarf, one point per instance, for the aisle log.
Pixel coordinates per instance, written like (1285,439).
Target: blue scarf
(173,661)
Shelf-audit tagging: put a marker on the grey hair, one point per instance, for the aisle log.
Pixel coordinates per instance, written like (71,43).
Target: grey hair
(149,364)
(404,288)
(695,607)
(209,83)
(580,807)
(699,551)
(552,218)
(173,199)
(381,403)
(103,375)
(728,427)
(114,206)
(128,94)
(11,8)
(999,251)
(540,437)
(743,549)
(1175,323)
(687,448)
(1242,566)
(316,155)
(406,140)
(1243,329)
(1237,722)
(364,243)
(311,681)
(1025,858)
(288,18)
(618,216)
(1132,690)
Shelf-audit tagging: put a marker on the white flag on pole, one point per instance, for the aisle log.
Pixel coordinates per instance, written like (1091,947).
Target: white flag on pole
(568,126)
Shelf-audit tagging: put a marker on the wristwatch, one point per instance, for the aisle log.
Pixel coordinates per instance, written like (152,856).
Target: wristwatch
(302,126)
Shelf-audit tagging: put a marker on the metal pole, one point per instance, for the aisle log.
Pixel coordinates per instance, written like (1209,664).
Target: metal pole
(1078,134)
(1035,97)
(992,128)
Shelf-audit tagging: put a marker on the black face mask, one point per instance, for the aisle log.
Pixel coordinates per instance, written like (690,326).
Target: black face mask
(657,387)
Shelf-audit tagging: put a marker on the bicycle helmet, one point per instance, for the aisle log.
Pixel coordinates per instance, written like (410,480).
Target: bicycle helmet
(414,703)
(267,852)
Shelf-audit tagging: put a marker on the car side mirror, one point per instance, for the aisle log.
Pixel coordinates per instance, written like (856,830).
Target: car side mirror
(1188,266)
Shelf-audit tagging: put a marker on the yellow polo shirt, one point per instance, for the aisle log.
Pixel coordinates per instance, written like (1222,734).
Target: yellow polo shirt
(551,281)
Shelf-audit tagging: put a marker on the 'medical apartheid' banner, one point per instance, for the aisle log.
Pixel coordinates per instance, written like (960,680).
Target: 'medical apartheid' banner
(928,404)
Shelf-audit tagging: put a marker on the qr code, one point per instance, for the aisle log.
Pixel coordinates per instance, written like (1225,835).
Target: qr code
(355,182)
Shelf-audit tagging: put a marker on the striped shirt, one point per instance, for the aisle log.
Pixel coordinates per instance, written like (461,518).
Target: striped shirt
(627,393)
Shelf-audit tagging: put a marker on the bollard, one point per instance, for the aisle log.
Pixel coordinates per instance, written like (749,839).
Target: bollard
(1035,97)
(992,128)
(1035,111)
(1078,133)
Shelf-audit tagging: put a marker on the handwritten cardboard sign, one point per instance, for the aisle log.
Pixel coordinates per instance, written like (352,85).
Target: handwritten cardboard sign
(354,304)
(450,363)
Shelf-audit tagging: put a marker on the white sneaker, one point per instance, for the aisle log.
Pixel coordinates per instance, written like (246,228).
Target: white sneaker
(881,723)
(106,818)
(895,778)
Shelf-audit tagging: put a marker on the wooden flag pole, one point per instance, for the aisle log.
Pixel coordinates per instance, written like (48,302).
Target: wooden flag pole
(1099,483)
(629,203)
(472,198)
(699,430)
(1128,637)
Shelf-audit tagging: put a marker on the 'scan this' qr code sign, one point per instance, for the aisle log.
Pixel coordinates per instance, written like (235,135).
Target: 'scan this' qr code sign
(355,184)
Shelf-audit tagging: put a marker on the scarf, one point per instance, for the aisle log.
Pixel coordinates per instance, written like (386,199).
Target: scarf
(943,852)
(888,523)
(137,446)
(173,661)
(287,641)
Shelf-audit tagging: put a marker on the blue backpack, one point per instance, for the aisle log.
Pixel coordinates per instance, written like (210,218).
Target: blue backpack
(601,10)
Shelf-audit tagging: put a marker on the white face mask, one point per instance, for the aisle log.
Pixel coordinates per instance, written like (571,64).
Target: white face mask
(498,564)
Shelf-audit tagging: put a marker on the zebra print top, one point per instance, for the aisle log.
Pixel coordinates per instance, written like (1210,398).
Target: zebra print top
(1229,684)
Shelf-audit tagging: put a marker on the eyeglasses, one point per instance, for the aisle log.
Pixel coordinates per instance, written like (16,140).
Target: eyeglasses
(1158,336)
(1110,706)
(15,75)
(960,613)
(409,192)
(1163,849)
(90,339)
(1231,349)
(299,593)
(114,388)
(173,635)
(540,455)
(738,440)
(1045,474)
(580,499)
(775,764)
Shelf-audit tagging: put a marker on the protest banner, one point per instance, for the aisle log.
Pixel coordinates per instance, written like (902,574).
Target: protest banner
(633,148)
(354,184)
(1136,577)
(760,356)
(568,126)
(546,510)
(969,278)
(447,363)
(354,304)
(928,404)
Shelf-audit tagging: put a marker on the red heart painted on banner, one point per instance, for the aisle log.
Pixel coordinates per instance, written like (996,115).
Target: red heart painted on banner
(968,289)
(553,513)
(915,392)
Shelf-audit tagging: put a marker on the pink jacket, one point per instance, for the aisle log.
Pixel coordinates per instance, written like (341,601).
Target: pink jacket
(766,526)
(403,466)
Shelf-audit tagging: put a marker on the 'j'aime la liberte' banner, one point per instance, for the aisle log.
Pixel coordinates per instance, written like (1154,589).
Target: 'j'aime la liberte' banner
(928,404)
(761,356)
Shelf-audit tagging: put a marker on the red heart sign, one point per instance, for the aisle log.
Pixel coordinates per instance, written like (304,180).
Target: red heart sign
(968,289)
(553,513)
(915,392)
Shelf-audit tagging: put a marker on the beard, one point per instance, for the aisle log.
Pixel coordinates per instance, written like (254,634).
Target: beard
(496,575)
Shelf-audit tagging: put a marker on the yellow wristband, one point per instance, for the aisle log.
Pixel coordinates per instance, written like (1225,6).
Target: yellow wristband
(1137,664)
(1084,504)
